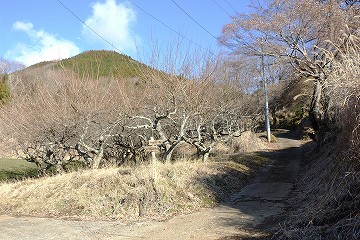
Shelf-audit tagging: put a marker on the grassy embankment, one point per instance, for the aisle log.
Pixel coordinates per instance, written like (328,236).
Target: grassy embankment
(130,193)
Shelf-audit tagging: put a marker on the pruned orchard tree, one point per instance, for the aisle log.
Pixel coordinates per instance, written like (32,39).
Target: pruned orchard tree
(221,122)
(60,118)
(39,122)
(229,111)
(293,32)
(172,99)
(191,101)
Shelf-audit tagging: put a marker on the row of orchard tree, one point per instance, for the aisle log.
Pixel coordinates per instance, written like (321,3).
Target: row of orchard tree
(58,118)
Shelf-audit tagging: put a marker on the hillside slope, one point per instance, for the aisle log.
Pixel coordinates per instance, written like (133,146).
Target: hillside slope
(103,63)
(92,64)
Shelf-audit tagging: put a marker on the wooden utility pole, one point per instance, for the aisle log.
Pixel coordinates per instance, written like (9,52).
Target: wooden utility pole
(266,108)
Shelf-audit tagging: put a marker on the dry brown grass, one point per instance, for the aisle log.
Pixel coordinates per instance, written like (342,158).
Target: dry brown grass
(327,205)
(344,90)
(127,194)
(247,142)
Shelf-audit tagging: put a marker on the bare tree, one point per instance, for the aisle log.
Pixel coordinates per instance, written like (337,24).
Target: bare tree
(61,118)
(8,66)
(292,32)
(193,99)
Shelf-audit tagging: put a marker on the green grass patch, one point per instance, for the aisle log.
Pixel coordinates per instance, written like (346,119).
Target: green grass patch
(16,169)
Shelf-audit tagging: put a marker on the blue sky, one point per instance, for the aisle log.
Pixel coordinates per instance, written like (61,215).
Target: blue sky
(40,30)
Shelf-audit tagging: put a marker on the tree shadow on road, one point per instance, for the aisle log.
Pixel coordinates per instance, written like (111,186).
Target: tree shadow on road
(261,206)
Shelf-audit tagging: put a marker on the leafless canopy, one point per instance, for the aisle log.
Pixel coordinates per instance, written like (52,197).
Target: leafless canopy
(58,118)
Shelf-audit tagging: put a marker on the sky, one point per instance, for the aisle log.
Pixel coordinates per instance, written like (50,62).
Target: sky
(33,31)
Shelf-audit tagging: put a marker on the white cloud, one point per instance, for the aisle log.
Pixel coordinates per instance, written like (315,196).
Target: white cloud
(43,47)
(24,26)
(113,22)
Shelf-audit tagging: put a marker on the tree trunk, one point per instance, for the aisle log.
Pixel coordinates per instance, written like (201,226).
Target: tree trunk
(315,108)
(203,152)
(97,159)
(59,168)
(40,169)
(170,150)
(168,155)
(205,157)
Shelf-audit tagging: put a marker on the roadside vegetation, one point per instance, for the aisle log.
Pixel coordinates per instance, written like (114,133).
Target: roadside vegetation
(130,193)
(314,45)
(329,193)
(88,135)
(86,122)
